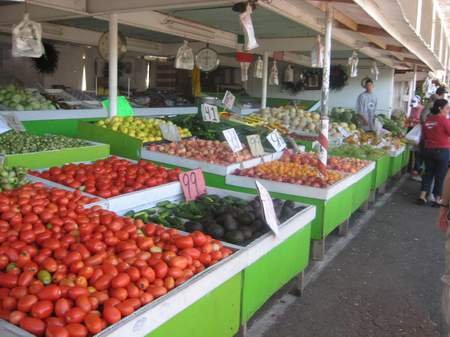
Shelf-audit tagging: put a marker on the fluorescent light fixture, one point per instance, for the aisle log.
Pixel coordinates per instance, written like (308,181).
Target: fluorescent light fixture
(83,76)
(147,78)
(190,28)
(155,58)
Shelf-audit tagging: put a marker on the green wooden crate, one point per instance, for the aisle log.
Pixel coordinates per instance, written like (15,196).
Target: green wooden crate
(361,191)
(65,127)
(308,144)
(120,144)
(44,159)
(382,171)
(216,314)
(406,156)
(396,163)
(272,271)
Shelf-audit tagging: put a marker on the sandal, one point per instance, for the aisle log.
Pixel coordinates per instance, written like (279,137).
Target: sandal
(435,204)
(421,202)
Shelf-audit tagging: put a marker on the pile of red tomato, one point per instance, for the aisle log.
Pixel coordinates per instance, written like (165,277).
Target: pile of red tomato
(111,176)
(67,271)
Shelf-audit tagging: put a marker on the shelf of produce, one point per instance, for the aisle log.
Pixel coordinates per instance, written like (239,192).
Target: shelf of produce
(215,169)
(42,159)
(396,161)
(271,261)
(333,204)
(165,111)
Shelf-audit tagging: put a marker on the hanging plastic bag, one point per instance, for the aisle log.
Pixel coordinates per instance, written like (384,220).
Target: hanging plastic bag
(374,70)
(289,74)
(244,71)
(244,59)
(185,57)
(317,53)
(259,68)
(353,63)
(273,79)
(247,26)
(413,137)
(27,39)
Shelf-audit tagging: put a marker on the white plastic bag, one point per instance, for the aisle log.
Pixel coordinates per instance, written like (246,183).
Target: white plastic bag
(247,26)
(353,63)
(258,70)
(413,136)
(27,39)
(185,57)
(317,53)
(273,79)
(289,74)
(374,70)
(244,71)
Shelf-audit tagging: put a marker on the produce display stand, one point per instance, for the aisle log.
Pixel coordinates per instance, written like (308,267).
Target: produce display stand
(396,161)
(42,159)
(362,190)
(406,156)
(333,204)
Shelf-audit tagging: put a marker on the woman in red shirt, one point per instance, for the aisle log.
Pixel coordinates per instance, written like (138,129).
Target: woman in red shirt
(435,133)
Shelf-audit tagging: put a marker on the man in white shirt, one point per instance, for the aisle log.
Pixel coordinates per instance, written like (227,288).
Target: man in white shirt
(366,106)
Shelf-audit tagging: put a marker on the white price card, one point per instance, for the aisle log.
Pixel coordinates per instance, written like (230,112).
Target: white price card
(256,148)
(343,132)
(228,100)
(276,141)
(210,113)
(12,122)
(268,208)
(170,132)
(233,140)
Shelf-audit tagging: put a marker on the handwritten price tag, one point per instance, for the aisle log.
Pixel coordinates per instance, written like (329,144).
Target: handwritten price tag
(192,183)
(210,113)
(276,141)
(268,208)
(256,148)
(12,122)
(228,100)
(343,132)
(170,132)
(233,140)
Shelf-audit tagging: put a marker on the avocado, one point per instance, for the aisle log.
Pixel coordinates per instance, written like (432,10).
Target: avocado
(236,237)
(247,232)
(193,226)
(215,230)
(229,223)
(246,219)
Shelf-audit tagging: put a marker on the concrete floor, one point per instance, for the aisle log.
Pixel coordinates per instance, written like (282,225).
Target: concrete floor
(384,283)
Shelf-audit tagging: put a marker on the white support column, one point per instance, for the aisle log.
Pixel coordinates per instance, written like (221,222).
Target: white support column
(419,16)
(113,60)
(265,79)
(327,61)
(414,85)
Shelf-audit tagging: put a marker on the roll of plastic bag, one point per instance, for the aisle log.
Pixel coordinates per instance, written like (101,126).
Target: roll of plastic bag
(273,79)
(259,68)
(289,74)
(353,63)
(185,57)
(249,31)
(27,39)
(317,53)
(244,71)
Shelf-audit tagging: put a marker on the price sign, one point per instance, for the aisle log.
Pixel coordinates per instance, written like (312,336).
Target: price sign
(256,148)
(12,122)
(268,208)
(276,141)
(233,140)
(210,113)
(170,132)
(192,183)
(228,100)
(343,132)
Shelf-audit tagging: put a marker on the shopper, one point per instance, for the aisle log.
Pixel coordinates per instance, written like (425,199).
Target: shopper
(413,120)
(366,106)
(435,133)
(440,93)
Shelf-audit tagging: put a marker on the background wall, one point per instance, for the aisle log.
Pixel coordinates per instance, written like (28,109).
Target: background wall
(343,98)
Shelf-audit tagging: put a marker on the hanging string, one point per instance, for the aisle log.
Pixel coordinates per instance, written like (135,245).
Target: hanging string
(26,6)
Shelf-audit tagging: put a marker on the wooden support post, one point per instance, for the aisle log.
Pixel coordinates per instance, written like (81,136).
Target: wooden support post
(299,284)
(343,228)
(366,206)
(318,249)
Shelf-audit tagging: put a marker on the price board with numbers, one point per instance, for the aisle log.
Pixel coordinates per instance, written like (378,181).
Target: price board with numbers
(268,208)
(256,148)
(193,184)
(233,140)
(12,122)
(210,113)
(228,100)
(276,141)
(170,132)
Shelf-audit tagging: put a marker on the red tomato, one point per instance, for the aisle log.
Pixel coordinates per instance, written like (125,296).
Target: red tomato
(56,331)
(121,280)
(76,330)
(84,303)
(75,315)
(183,242)
(178,262)
(33,325)
(161,269)
(8,280)
(192,252)
(26,302)
(9,303)
(111,314)
(157,291)
(55,321)
(62,306)
(120,293)
(199,238)
(51,292)
(77,291)
(42,309)
(93,323)
(16,316)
